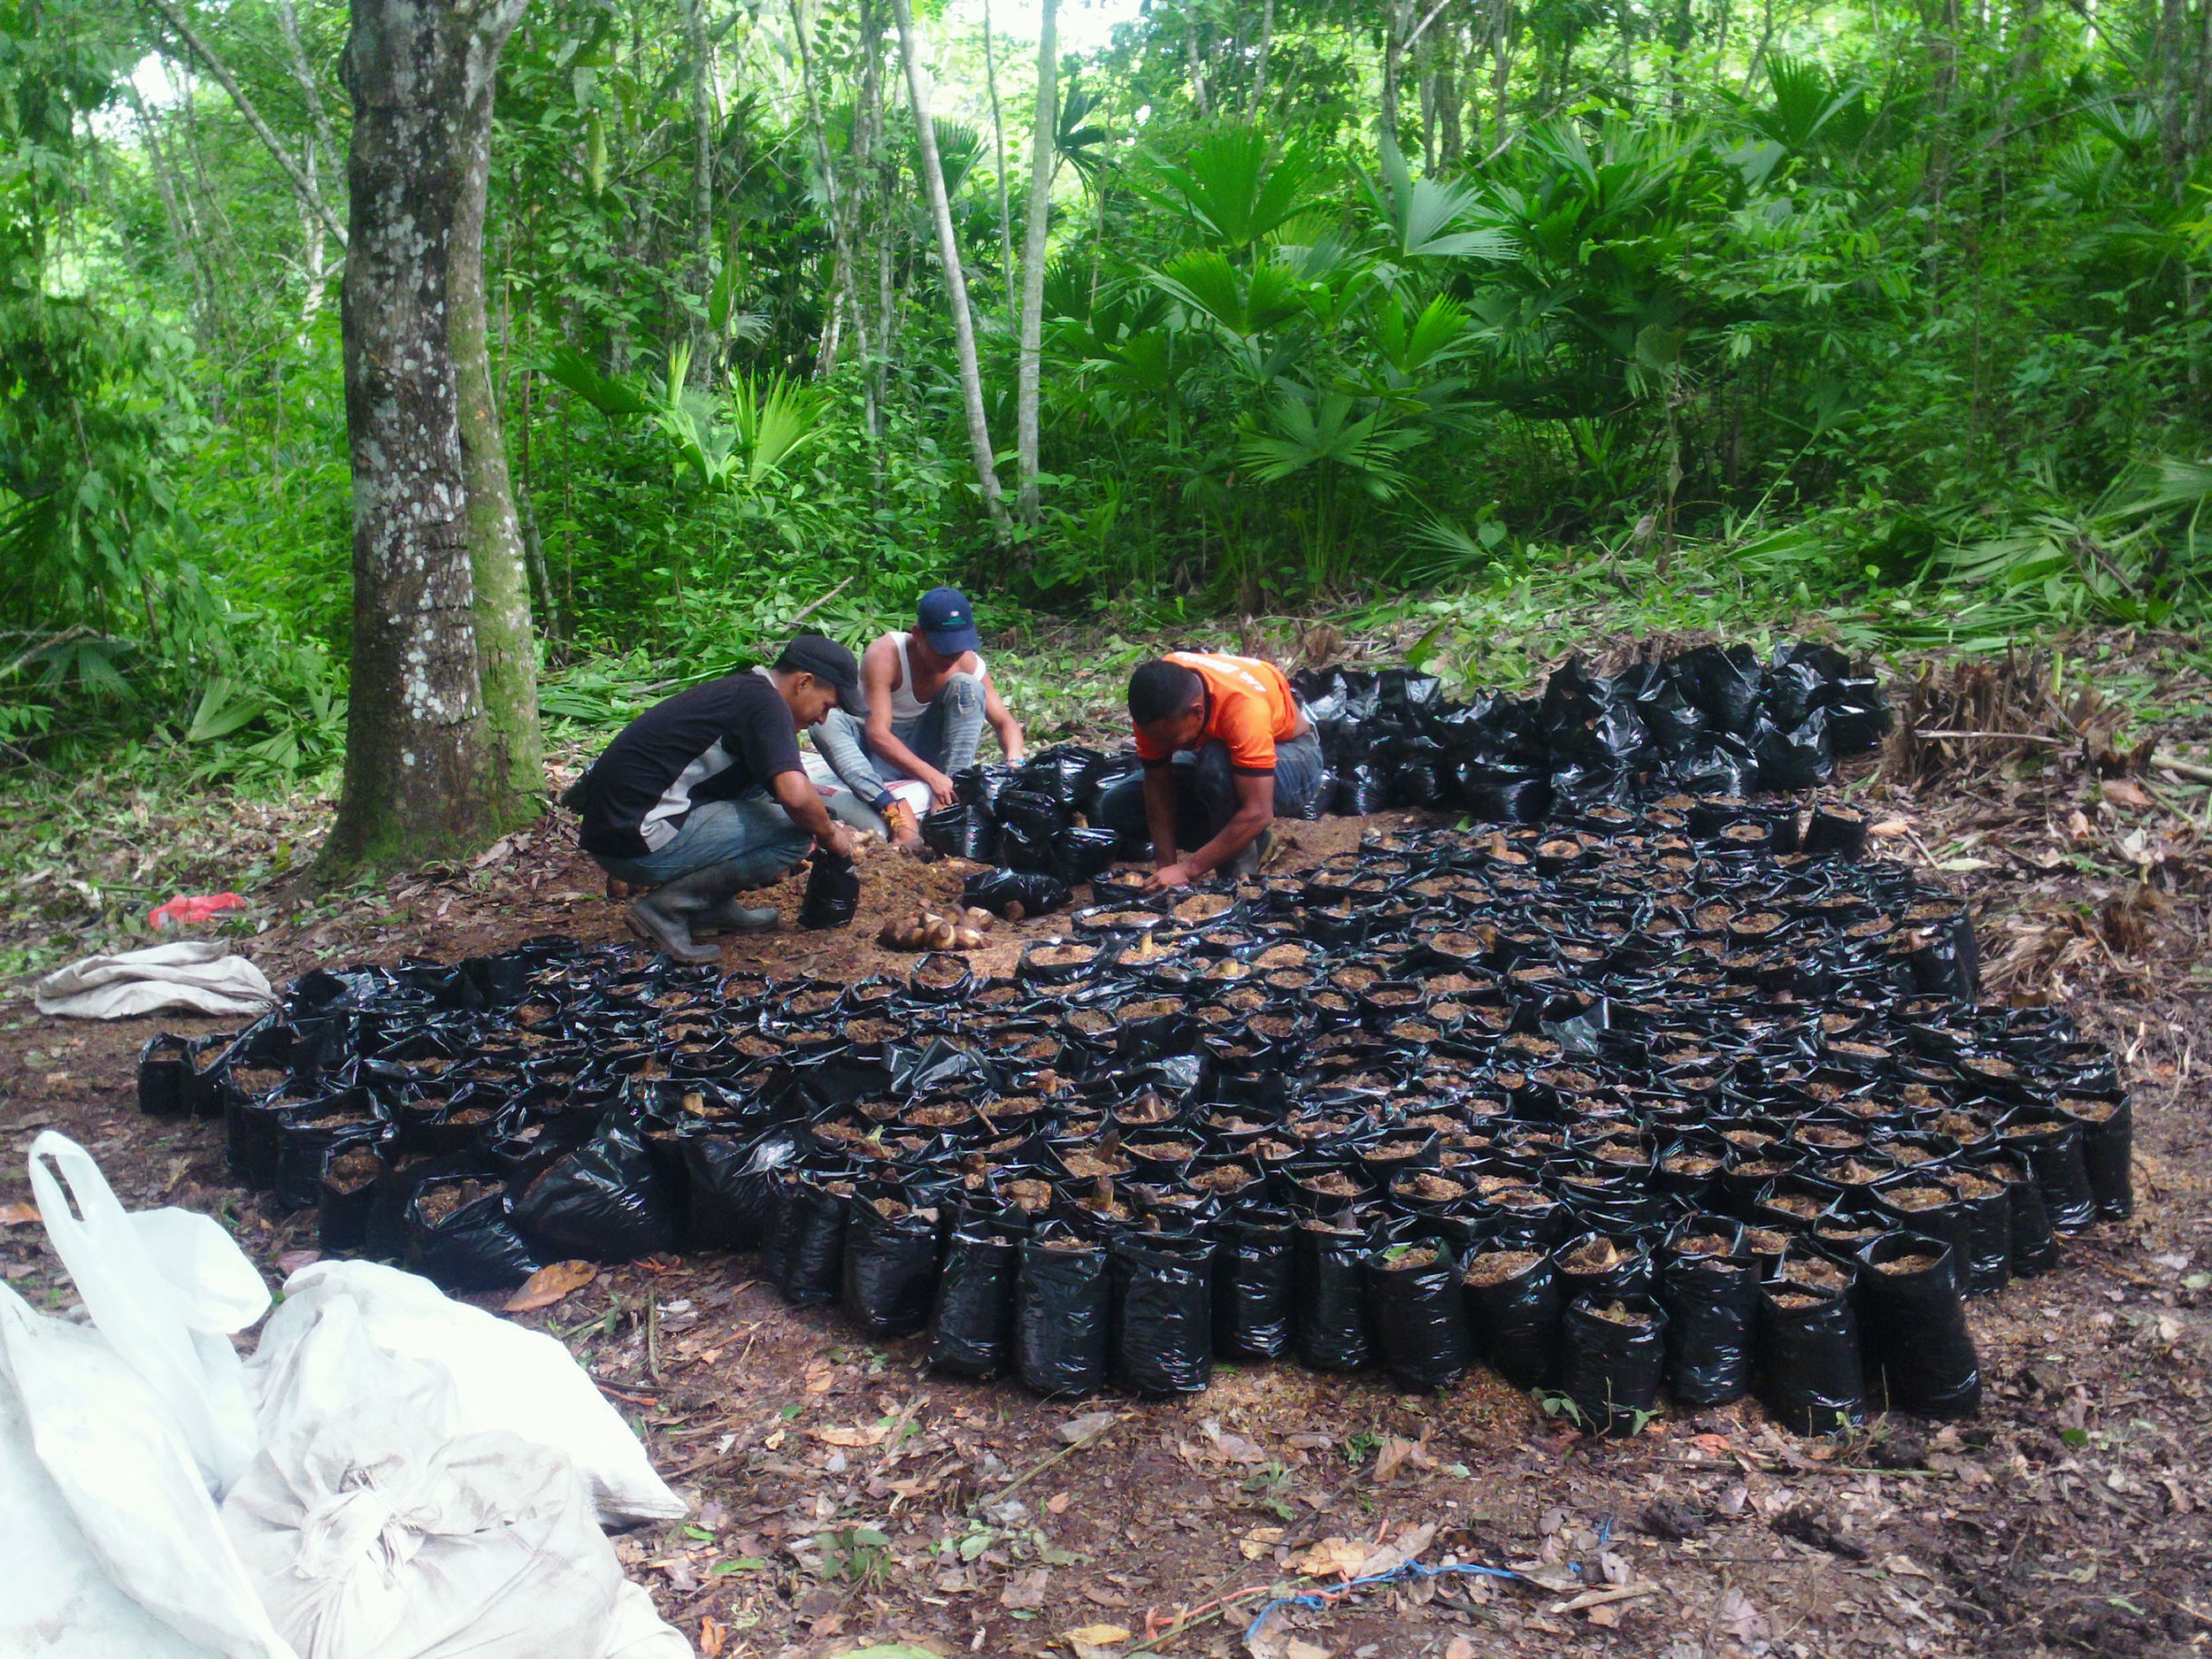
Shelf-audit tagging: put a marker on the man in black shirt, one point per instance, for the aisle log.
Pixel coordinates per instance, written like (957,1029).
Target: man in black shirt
(704,795)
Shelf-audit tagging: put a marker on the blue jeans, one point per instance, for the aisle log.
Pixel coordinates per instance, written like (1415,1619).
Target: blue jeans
(752,833)
(1206,792)
(947,734)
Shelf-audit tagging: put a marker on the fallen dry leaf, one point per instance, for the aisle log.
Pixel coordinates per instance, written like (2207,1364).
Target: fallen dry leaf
(1459,1647)
(1740,1619)
(1339,1557)
(2120,792)
(1296,1649)
(1260,1541)
(18,1215)
(1608,1616)
(1392,1455)
(1905,1567)
(1075,1431)
(1095,1641)
(1025,1590)
(1391,1557)
(837,1434)
(549,1284)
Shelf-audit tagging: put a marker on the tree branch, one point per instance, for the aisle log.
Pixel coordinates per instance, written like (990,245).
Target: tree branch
(308,194)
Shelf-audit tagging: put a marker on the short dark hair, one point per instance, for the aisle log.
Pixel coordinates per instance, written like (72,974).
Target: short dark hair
(1160,690)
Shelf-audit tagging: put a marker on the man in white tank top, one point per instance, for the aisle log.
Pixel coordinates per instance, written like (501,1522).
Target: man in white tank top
(930,695)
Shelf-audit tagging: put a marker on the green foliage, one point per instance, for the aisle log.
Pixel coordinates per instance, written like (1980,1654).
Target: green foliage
(1634,311)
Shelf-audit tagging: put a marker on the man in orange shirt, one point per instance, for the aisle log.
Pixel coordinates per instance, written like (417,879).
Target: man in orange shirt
(1226,749)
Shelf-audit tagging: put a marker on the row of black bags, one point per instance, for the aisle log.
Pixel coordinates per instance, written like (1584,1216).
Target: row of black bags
(1634,1029)
(1711,721)
(1714,720)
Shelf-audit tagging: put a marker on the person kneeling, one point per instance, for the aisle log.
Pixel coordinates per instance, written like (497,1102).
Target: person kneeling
(929,695)
(703,796)
(1226,749)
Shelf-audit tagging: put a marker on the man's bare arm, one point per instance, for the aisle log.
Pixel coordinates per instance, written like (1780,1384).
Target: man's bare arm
(796,791)
(1002,720)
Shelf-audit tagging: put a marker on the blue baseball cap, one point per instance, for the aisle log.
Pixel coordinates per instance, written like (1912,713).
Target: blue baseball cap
(946,621)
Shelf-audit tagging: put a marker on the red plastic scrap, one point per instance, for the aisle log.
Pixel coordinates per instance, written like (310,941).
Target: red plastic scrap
(184,910)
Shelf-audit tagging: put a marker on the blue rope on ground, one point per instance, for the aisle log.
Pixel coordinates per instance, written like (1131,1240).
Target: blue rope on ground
(1412,1569)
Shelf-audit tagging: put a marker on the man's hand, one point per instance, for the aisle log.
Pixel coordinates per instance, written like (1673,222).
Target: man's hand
(1175,875)
(840,840)
(942,791)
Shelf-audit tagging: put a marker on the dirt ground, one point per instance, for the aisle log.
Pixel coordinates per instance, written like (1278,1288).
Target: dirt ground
(843,1496)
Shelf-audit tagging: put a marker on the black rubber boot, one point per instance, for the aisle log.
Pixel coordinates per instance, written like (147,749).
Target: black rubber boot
(664,918)
(730,917)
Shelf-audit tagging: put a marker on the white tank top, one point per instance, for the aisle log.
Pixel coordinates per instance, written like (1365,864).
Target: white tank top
(904,705)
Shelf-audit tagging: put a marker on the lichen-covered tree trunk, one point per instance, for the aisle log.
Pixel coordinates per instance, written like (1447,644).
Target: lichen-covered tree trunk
(441,737)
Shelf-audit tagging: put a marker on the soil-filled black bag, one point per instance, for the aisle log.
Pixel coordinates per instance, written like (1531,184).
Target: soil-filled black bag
(2108,1153)
(1035,816)
(1725,681)
(1915,1326)
(1015,893)
(890,1266)
(1712,1304)
(1081,853)
(1814,1382)
(1504,794)
(1062,1315)
(1613,1351)
(1362,790)
(348,1193)
(962,831)
(161,1074)
(603,1202)
(1720,765)
(1163,1337)
(2051,1145)
(972,1323)
(980,785)
(306,1143)
(1329,1317)
(1420,1314)
(1513,1300)
(1987,1266)
(728,1181)
(833,892)
(1252,1285)
(814,1214)
(1797,759)
(1837,831)
(461,1236)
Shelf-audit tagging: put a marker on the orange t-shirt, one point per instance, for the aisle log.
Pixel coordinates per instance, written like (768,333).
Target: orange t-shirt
(1248,706)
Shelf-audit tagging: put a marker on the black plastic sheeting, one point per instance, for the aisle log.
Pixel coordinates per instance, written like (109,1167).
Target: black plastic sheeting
(1638,1095)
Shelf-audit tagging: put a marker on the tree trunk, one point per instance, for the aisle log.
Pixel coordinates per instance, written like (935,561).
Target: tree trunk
(842,278)
(956,279)
(441,734)
(1259,68)
(1195,62)
(1397,18)
(998,148)
(701,172)
(1044,159)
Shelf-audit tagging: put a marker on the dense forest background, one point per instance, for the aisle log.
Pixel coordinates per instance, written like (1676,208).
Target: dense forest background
(1896,314)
